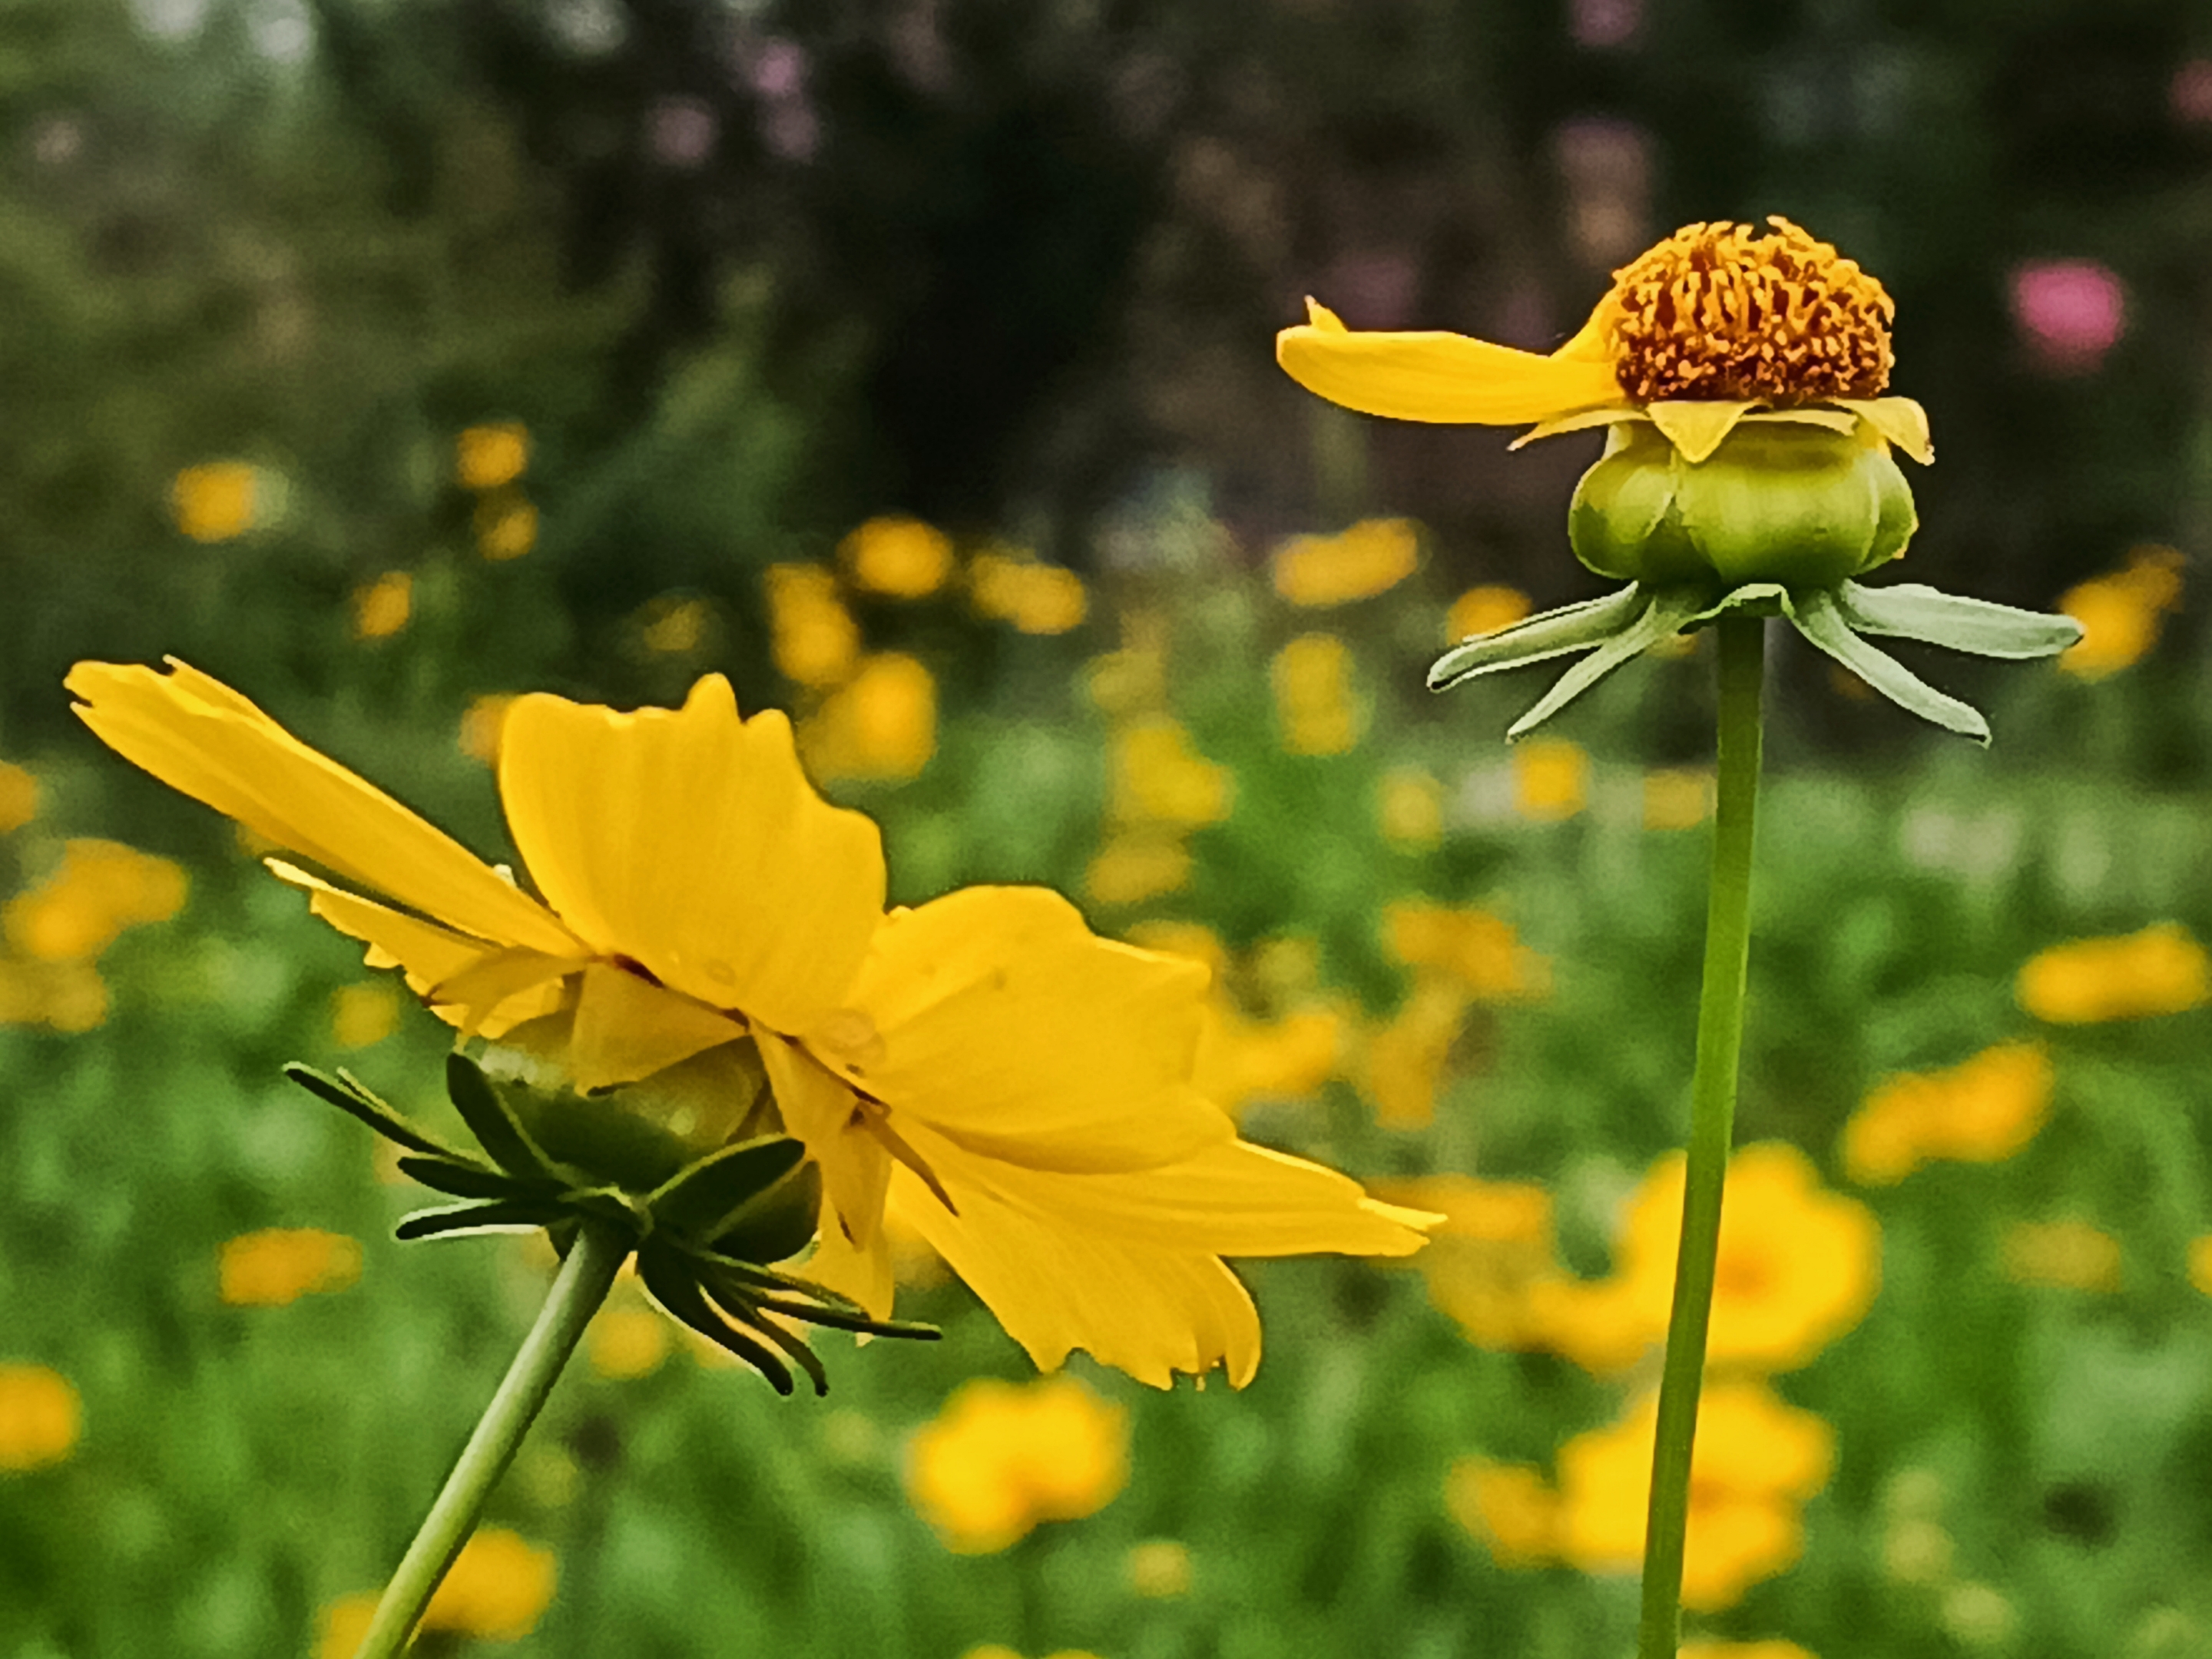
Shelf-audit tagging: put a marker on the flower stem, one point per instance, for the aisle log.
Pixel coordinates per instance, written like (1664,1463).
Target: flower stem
(1712,1116)
(585,1280)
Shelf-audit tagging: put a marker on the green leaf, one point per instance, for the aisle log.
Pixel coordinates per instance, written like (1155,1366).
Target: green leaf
(672,1286)
(1539,638)
(346,1092)
(467,1179)
(502,1215)
(1913,610)
(1818,618)
(494,1125)
(704,1198)
(1667,611)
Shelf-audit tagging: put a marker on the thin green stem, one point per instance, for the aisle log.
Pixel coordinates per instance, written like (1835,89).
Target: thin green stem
(585,1280)
(1712,1118)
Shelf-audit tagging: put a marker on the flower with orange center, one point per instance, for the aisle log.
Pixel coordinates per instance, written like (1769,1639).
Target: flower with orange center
(1016,1087)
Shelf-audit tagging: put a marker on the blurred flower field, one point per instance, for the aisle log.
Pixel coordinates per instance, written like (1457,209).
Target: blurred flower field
(1961,1395)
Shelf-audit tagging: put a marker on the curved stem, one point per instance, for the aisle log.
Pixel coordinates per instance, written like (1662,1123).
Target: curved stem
(1712,1117)
(585,1280)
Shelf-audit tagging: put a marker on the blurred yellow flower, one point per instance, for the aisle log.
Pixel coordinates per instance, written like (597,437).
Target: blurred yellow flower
(813,637)
(68,996)
(1603,1325)
(1509,1506)
(1240,1060)
(1799,1264)
(1314,706)
(880,724)
(215,501)
(2200,1263)
(1474,949)
(1551,780)
(1493,1248)
(673,627)
(2121,612)
(1000,1457)
(1183,938)
(1158,1569)
(1405,1062)
(19,797)
(1371,557)
(362,1016)
(345,1625)
(899,557)
(1769,1650)
(382,607)
(277,1266)
(506,526)
(1132,868)
(1159,778)
(1980,1110)
(2070,1256)
(491,456)
(627,1341)
(1410,809)
(1035,597)
(2160,970)
(1677,800)
(1756,1461)
(98,889)
(480,726)
(40,1418)
(500,1586)
(1131,681)
(1484,611)
(1000,1650)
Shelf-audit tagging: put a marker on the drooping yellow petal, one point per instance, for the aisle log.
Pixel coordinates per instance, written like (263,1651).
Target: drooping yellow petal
(1443,377)
(691,842)
(626,1029)
(1901,420)
(819,1109)
(468,997)
(1697,428)
(1150,1310)
(996,1016)
(201,737)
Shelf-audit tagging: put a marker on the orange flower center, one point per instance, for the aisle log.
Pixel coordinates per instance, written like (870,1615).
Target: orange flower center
(1718,313)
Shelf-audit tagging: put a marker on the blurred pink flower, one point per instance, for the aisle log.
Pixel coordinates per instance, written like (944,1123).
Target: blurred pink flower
(2189,94)
(2071,312)
(1604,22)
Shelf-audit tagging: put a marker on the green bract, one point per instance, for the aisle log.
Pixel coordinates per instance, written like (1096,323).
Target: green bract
(1777,502)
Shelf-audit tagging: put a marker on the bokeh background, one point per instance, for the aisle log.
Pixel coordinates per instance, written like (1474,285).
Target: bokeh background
(908,362)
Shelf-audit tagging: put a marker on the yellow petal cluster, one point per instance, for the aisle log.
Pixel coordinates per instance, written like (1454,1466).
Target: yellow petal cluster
(40,1418)
(2121,612)
(1037,597)
(1002,1457)
(54,933)
(2161,970)
(1980,1111)
(216,500)
(1370,557)
(277,1266)
(1315,710)
(898,556)
(984,1068)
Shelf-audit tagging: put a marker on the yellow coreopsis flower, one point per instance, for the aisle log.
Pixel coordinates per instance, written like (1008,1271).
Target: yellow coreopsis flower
(1016,1087)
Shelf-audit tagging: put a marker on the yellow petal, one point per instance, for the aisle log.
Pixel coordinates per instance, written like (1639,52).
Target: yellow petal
(996,1016)
(690,842)
(427,954)
(863,1272)
(1697,427)
(1441,377)
(491,980)
(1901,420)
(627,1029)
(819,1109)
(1148,1310)
(201,737)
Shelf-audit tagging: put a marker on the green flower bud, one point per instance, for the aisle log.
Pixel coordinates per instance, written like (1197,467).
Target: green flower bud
(1777,502)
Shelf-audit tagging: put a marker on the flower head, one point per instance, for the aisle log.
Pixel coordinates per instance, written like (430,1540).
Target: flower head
(1003,1456)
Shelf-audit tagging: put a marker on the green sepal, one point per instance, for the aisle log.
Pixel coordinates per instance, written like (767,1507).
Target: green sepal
(1819,620)
(347,1093)
(704,1198)
(775,1225)
(468,1180)
(837,1319)
(793,1344)
(673,1287)
(735,1283)
(1665,615)
(494,1125)
(1911,611)
(501,1215)
(751,1273)
(1752,599)
(1537,639)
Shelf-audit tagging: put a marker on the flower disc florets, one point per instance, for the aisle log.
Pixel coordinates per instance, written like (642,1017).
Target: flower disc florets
(1717,311)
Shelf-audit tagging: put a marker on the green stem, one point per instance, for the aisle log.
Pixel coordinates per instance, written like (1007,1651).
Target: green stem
(1712,1117)
(585,1280)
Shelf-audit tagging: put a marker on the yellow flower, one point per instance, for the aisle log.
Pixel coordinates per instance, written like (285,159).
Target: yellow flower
(1312,678)
(98,889)
(40,1418)
(1159,778)
(1551,780)
(813,637)
(1509,1506)
(1769,1650)
(215,501)
(882,723)
(1410,809)
(2200,1263)
(1473,948)
(381,608)
(491,456)
(2160,970)
(277,1266)
(19,798)
(1241,1058)
(1158,1569)
(1756,1461)
(627,1341)
(2071,1255)
(362,1016)
(673,627)
(1406,1058)
(68,996)
(1484,610)
(2121,612)
(1133,867)
(1491,1252)
(1013,1086)
(1714,326)
(1371,557)
(1677,800)
(1000,1457)
(497,1589)
(902,558)
(506,526)
(1979,1111)
(480,727)
(1035,597)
